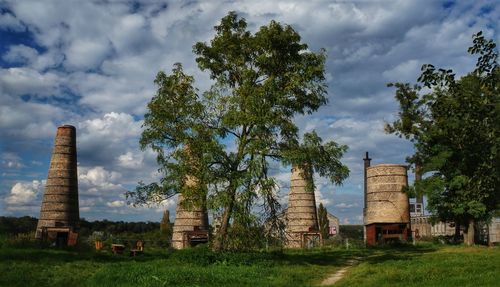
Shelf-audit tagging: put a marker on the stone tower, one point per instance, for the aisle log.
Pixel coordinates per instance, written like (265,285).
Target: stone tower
(387,214)
(60,200)
(191,221)
(302,220)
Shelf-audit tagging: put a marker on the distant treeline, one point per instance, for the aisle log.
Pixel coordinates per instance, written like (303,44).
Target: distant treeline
(352,231)
(25,224)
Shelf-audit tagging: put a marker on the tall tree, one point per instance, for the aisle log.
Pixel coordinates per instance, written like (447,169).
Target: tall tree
(165,226)
(241,125)
(324,224)
(456,132)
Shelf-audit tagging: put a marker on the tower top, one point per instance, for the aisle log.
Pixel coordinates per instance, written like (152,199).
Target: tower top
(367,157)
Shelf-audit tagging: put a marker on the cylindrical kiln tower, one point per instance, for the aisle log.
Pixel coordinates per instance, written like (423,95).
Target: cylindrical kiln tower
(60,199)
(301,215)
(387,207)
(191,223)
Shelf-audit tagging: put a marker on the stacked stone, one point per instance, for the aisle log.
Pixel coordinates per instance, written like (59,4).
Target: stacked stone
(385,201)
(301,213)
(188,218)
(60,199)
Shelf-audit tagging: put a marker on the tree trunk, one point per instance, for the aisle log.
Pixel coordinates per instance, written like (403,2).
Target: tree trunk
(456,238)
(418,177)
(469,233)
(222,232)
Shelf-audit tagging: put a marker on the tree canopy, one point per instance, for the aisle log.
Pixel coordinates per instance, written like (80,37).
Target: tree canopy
(241,125)
(455,128)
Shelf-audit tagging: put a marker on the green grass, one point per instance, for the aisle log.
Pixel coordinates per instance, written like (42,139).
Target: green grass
(403,266)
(196,267)
(428,266)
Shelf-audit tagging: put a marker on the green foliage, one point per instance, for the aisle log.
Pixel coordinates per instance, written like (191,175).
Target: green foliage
(324,225)
(456,132)
(352,232)
(166,227)
(419,265)
(199,266)
(226,137)
(87,228)
(17,225)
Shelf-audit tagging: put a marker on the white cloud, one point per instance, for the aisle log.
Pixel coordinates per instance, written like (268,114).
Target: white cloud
(9,22)
(11,160)
(346,205)
(20,53)
(27,81)
(98,180)
(116,203)
(404,72)
(86,54)
(131,160)
(23,194)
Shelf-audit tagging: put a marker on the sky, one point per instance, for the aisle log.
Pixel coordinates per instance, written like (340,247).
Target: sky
(91,64)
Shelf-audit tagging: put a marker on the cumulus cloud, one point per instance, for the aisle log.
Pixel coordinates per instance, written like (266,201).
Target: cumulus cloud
(23,196)
(345,205)
(26,81)
(97,180)
(116,203)
(20,54)
(11,160)
(10,22)
(102,140)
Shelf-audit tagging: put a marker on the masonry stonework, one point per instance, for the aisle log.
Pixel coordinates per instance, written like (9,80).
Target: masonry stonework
(60,200)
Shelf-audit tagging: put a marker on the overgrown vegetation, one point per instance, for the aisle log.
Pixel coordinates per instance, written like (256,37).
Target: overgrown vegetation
(19,232)
(226,138)
(421,265)
(198,266)
(455,128)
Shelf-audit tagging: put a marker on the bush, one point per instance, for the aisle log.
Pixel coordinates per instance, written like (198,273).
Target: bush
(22,240)
(202,255)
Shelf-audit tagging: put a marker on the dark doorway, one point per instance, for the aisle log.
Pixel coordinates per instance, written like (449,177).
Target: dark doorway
(62,239)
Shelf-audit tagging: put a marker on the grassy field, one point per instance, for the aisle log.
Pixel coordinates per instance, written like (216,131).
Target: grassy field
(428,266)
(195,267)
(407,266)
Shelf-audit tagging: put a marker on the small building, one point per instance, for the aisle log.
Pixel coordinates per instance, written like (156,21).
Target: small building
(333,223)
(494,231)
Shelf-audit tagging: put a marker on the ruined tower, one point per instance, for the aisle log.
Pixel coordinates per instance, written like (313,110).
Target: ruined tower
(59,214)
(387,215)
(302,221)
(191,221)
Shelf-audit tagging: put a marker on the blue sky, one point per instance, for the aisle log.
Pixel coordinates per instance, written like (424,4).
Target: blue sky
(92,64)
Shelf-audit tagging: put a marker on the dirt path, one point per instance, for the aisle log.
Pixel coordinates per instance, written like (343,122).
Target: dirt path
(332,279)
